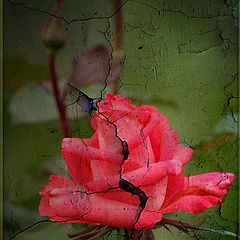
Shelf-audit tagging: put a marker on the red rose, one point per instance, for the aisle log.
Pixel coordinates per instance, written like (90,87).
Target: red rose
(152,179)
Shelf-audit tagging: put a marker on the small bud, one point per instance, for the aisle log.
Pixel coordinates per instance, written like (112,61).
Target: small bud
(53,32)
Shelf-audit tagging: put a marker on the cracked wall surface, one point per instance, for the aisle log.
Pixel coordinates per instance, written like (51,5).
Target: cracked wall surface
(181,56)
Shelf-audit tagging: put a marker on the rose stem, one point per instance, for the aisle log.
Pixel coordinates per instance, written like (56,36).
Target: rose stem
(118,30)
(118,25)
(59,102)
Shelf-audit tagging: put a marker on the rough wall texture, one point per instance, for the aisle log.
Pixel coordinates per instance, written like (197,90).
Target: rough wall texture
(181,56)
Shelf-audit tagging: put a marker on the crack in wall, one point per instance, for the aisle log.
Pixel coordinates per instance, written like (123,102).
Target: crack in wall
(234,79)
(64,19)
(226,106)
(123,184)
(178,12)
(27,228)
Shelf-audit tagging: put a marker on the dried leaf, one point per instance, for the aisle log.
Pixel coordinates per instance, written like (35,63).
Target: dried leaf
(95,65)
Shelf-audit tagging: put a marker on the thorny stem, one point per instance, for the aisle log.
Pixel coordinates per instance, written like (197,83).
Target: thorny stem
(59,102)
(118,30)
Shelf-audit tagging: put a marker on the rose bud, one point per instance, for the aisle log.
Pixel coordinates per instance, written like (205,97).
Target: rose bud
(53,33)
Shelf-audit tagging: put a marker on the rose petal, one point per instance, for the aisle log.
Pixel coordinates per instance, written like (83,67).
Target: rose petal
(155,193)
(176,183)
(200,192)
(144,176)
(153,173)
(140,156)
(44,208)
(55,182)
(214,183)
(78,164)
(164,141)
(113,103)
(106,135)
(72,205)
(183,154)
(79,147)
(156,121)
(93,141)
(191,204)
(86,163)
(128,126)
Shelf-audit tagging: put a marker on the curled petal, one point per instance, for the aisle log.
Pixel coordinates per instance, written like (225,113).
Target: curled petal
(200,192)
(77,146)
(164,141)
(92,163)
(176,183)
(115,103)
(78,165)
(183,154)
(213,183)
(107,135)
(153,173)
